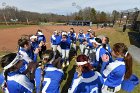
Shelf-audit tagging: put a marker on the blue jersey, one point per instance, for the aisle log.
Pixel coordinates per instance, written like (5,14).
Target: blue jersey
(52,79)
(88,82)
(26,59)
(87,35)
(65,44)
(99,64)
(90,45)
(108,48)
(34,45)
(18,83)
(56,39)
(81,38)
(114,73)
(41,38)
(72,36)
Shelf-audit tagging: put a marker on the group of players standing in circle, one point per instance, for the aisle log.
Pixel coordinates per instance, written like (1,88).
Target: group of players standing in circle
(99,68)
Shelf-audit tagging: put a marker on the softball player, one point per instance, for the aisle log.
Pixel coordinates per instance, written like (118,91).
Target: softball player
(41,39)
(55,41)
(14,82)
(88,34)
(65,47)
(118,70)
(81,39)
(72,36)
(85,79)
(100,51)
(89,49)
(48,77)
(25,50)
(105,42)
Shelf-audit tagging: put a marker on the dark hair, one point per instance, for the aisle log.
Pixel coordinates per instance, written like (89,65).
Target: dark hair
(7,59)
(50,54)
(121,49)
(39,30)
(107,40)
(24,36)
(98,40)
(72,30)
(86,67)
(22,42)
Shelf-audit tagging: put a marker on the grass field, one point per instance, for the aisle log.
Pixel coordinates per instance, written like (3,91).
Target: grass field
(115,36)
(12,26)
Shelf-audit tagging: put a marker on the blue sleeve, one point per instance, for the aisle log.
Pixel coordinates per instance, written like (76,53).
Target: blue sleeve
(104,64)
(1,79)
(44,38)
(75,76)
(37,79)
(102,51)
(35,58)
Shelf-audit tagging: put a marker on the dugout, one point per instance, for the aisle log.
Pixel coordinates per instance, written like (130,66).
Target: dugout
(137,23)
(80,23)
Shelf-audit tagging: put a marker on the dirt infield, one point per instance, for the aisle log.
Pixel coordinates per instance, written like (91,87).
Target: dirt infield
(9,37)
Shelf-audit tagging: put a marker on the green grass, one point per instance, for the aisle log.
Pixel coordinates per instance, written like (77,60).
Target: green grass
(12,26)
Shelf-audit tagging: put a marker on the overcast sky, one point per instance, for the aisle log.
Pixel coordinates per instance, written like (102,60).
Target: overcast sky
(65,6)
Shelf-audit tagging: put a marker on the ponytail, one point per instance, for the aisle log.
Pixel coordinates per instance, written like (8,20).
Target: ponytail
(128,64)
(6,74)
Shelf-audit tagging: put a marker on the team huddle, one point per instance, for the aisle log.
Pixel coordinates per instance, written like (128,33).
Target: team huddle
(99,68)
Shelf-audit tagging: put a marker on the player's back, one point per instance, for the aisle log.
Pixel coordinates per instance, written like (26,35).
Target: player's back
(90,82)
(52,79)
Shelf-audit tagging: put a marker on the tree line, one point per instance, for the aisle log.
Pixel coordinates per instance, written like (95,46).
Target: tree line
(12,14)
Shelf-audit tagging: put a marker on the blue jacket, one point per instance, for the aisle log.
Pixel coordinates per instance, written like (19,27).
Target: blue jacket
(65,44)
(81,38)
(41,38)
(18,83)
(1,79)
(90,45)
(72,36)
(114,73)
(52,79)
(34,45)
(99,64)
(56,39)
(88,82)
(87,35)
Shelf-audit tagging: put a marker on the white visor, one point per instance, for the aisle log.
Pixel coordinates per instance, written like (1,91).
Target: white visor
(81,63)
(94,41)
(64,33)
(33,37)
(16,59)
(40,33)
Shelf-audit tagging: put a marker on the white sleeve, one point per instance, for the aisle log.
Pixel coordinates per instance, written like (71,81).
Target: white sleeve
(25,56)
(53,37)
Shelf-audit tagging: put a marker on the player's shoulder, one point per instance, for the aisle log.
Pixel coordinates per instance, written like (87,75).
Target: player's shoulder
(53,69)
(22,80)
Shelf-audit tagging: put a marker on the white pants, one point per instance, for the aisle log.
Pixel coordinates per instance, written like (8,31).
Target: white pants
(91,53)
(65,53)
(104,89)
(56,47)
(73,45)
(82,48)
